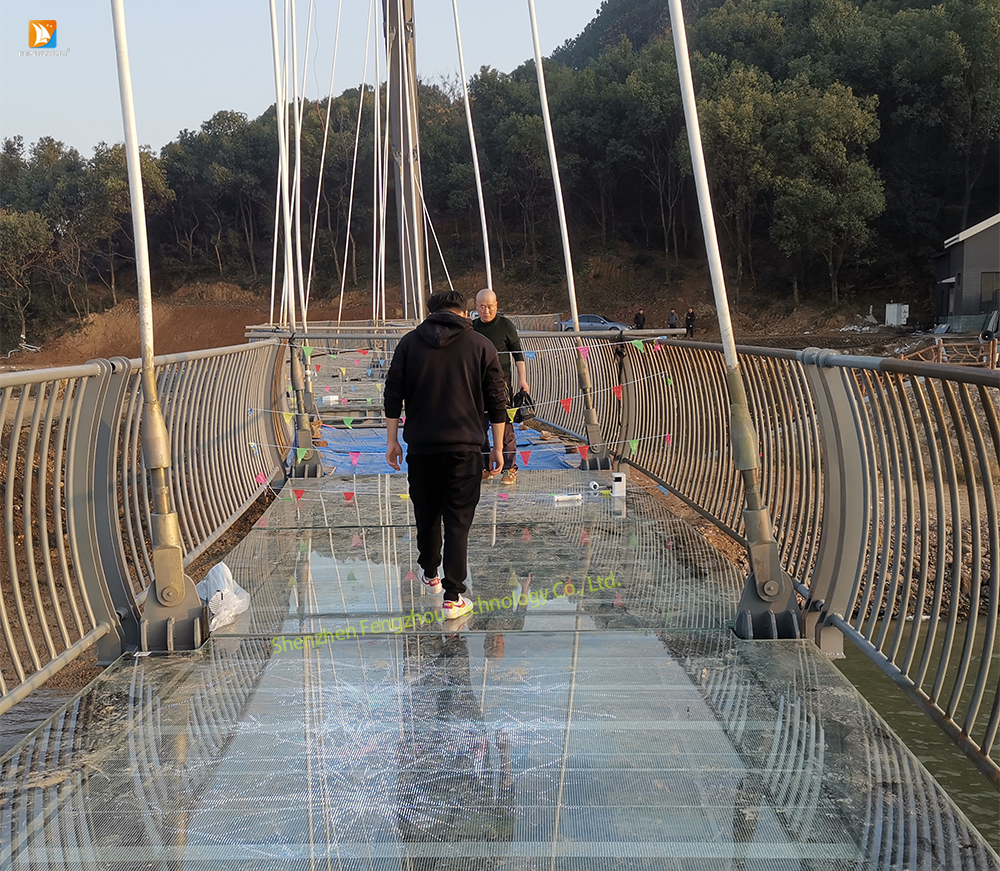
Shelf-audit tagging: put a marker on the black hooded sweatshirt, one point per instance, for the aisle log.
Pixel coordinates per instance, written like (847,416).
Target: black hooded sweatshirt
(448,375)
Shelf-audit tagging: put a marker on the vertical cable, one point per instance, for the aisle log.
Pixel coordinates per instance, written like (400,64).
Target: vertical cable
(475,152)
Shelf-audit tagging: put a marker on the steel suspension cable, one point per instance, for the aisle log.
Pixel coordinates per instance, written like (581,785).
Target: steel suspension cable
(322,159)
(475,152)
(354,166)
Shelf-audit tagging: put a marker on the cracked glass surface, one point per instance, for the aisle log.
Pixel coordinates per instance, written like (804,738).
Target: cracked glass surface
(620,726)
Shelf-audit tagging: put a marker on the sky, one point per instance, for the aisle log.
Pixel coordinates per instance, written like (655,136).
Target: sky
(191,59)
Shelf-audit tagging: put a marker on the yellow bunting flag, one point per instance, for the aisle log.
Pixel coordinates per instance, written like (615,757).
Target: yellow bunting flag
(510,414)
(287,415)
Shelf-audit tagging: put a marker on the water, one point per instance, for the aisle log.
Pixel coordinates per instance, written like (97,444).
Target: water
(956,773)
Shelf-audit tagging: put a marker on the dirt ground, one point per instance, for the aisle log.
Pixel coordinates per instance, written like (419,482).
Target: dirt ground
(214,315)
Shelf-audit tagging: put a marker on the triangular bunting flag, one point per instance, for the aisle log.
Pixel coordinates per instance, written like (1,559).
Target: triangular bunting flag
(617,391)
(326,387)
(510,414)
(355,456)
(287,415)
(378,387)
(351,576)
(524,456)
(299,494)
(356,363)
(343,400)
(566,404)
(354,388)
(356,541)
(348,421)
(262,523)
(584,351)
(368,400)
(526,535)
(657,346)
(668,438)
(261,478)
(530,354)
(381,362)
(512,580)
(300,454)
(633,445)
(249,412)
(410,576)
(368,372)
(633,540)
(343,372)
(363,351)
(404,495)
(307,350)
(317,368)
(584,537)
(639,346)
(583,450)
(504,496)
(348,496)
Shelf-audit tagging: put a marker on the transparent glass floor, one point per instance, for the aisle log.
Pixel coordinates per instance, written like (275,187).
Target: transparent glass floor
(594,712)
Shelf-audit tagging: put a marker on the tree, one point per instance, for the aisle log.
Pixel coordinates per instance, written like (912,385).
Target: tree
(25,238)
(825,192)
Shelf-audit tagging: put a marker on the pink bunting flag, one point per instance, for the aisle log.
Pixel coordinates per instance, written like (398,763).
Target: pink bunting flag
(617,391)
(505,496)
(410,576)
(668,438)
(526,535)
(584,351)
(327,388)
(356,541)
(262,523)
(355,362)
(261,478)
(566,403)
(524,456)
(584,537)
(583,450)
(298,494)
(343,400)
(657,346)
(355,456)
(348,496)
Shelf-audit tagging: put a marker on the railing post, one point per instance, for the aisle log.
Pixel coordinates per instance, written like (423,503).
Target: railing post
(305,462)
(846,506)
(88,519)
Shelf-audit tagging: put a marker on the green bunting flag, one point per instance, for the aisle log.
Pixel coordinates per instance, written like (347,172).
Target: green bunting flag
(633,444)
(307,350)
(300,453)
(639,346)
(348,421)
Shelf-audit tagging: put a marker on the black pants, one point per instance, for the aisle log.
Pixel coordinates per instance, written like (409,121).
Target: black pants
(445,487)
(509,440)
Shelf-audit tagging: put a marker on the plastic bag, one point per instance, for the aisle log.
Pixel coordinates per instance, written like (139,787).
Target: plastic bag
(525,407)
(225,598)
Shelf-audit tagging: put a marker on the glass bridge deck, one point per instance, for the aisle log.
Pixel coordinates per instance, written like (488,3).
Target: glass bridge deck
(594,712)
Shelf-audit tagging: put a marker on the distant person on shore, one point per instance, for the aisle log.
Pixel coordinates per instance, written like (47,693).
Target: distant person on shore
(689,324)
(672,319)
(640,320)
(503,334)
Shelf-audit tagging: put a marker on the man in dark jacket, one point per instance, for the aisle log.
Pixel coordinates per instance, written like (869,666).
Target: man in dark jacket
(640,320)
(689,324)
(449,377)
(503,334)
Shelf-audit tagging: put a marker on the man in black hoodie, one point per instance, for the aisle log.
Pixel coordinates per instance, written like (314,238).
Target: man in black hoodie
(448,376)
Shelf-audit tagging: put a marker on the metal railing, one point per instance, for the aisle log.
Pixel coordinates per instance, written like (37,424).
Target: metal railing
(881,475)
(76,559)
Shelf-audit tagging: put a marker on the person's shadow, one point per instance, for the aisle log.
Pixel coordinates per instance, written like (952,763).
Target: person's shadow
(454,781)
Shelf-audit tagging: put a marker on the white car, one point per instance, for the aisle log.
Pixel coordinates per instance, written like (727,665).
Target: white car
(594,322)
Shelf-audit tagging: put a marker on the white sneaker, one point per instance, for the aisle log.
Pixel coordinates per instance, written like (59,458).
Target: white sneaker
(431,585)
(451,610)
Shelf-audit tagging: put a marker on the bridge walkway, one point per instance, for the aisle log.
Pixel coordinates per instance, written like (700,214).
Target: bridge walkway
(594,712)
